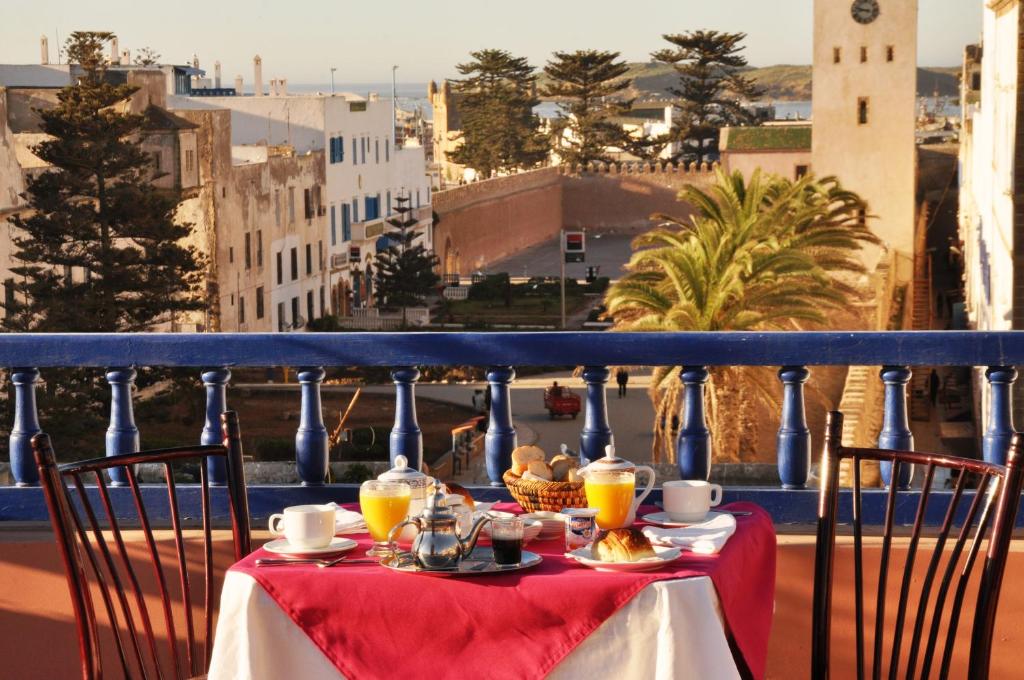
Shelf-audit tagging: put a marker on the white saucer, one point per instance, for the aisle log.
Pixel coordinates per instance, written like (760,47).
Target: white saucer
(281,546)
(663,555)
(662,519)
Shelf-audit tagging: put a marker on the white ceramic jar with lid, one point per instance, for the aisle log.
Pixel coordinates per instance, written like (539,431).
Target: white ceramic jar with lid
(419,484)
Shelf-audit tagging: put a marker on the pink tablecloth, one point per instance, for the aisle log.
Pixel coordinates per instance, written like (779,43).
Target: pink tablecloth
(371,622)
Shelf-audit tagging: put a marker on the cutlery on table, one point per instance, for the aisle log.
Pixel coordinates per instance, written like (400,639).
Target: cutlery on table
(270,562)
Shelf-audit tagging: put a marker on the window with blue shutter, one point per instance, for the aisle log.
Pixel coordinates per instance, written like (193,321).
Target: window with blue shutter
(362,155)
(355,209)
(341,149)
(387,150)
(388,206)
(334,228)
(346,224)
(376,151)
(372,207)
(355,156)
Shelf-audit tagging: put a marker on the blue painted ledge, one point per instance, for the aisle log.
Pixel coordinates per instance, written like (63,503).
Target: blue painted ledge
(787,507)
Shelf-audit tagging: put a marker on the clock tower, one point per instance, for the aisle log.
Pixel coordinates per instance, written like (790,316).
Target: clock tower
(864,93)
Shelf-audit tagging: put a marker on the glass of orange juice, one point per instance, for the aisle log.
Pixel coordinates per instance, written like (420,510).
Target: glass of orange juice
(384,504)
(612,494)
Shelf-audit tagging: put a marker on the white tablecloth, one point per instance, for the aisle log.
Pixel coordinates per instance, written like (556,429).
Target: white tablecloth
(671,630)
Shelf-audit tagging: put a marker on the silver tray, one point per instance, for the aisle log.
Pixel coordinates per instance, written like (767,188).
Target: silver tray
(479,563)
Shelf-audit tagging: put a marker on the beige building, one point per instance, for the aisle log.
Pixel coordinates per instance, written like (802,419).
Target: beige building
(260,212)
(782,149)
(446,127)
(865,77)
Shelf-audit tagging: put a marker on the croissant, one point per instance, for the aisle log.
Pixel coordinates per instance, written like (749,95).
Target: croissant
(621,545)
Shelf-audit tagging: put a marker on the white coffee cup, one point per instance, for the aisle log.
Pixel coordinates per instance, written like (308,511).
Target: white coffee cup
(305,526)
(689,500)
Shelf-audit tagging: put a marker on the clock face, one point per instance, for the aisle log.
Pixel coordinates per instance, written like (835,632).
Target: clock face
(864,11)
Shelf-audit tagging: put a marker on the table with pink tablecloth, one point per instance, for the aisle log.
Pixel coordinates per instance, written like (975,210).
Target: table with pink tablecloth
(706,616)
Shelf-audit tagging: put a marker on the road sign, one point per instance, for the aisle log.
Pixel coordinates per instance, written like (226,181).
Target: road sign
(574,246)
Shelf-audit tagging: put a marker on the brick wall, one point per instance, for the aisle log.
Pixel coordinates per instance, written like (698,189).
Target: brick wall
(487,221)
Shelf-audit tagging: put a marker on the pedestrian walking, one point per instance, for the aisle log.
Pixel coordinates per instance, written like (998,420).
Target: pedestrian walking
(622,378)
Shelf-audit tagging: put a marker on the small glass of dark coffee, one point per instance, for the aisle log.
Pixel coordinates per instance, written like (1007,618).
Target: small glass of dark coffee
(507,540)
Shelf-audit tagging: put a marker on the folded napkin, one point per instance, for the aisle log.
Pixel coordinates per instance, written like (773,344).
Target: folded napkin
(706,538)
(346,520)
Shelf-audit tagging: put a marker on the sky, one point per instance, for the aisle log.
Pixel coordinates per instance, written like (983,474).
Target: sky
(302,39)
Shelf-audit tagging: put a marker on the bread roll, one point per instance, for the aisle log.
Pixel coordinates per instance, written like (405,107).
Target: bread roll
(527,454)
(519,468)
(541,469)
(559,468)
(621,545)
(467,500)
(529,475)
(573,476)
(573,461)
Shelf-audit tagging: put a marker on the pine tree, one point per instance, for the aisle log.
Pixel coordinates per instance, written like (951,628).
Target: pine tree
(711,86)
(97,211)
(405,272)
(588,85)
(495,101)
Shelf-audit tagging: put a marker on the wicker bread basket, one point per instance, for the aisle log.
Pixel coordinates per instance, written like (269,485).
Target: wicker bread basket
(534,495)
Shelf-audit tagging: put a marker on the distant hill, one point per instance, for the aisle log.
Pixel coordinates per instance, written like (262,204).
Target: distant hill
(782,82)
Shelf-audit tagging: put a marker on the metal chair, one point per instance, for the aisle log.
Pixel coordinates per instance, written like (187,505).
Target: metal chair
(110,574)
(992,511)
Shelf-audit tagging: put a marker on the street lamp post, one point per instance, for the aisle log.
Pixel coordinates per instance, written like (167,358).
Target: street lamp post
(333,69)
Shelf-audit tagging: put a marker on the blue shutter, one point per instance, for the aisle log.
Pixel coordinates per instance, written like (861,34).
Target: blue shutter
(388,206)
(355,155)
(334,229)
(346,223)
(355,209)
(341,149)
(387,150)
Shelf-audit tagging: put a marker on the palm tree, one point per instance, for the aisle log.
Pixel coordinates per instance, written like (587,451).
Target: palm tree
(763,253)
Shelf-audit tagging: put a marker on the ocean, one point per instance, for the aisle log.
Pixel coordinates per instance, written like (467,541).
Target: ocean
(414,95)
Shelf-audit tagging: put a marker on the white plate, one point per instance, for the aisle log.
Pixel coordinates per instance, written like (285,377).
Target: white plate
(531,529)
(662,519)
(281,546)
(663,556)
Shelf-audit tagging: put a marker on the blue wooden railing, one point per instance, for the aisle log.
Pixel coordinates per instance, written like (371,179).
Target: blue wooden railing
(29,355)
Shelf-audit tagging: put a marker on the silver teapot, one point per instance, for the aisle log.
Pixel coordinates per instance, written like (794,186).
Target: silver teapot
(437,544)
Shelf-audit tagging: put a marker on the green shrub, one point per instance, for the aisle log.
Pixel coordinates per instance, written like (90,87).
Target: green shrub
(357,473)
(493,287)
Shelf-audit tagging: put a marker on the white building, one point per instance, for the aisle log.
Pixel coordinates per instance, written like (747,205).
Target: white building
(991,183)
(364,174)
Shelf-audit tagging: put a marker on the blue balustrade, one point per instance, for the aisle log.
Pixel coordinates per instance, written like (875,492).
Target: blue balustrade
(26,426)
(693,447)
(793,444)
(596,433)
(897,351)
(406,436)
(996,442)
(895,432)
(122,434)
(216,381)
(500,439)
(311,438)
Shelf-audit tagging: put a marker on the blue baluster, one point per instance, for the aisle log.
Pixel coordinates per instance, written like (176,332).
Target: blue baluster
(996,442)
(215,380)
(596,433)
(693,447)
(501,435)
(311,438)
(895,432)
(26,426)
(406,436)
(122,434)
(793,444)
